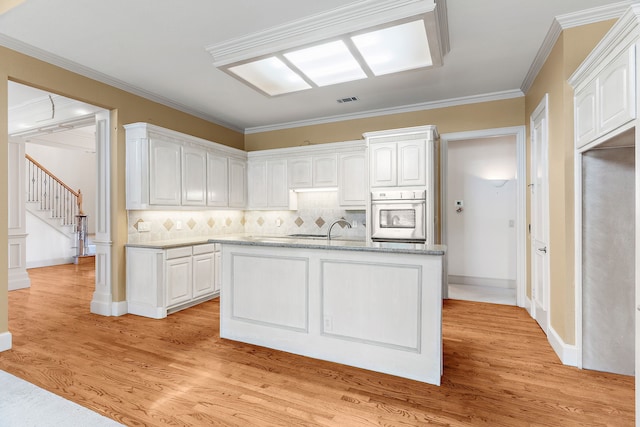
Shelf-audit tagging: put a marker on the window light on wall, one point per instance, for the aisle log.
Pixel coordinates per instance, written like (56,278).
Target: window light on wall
(363,55)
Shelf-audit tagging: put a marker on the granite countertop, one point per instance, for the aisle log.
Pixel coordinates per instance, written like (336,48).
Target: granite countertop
(169,244)
(334,244)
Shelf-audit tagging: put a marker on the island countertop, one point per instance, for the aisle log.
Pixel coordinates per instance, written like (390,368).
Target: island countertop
(334,244)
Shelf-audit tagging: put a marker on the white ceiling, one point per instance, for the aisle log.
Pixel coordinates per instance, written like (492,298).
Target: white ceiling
(156,48)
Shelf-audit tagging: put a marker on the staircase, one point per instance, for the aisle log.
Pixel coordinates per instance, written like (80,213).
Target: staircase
(58,205)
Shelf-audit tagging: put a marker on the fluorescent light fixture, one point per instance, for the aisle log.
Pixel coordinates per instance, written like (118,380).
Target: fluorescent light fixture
(327,64)
(394,49)
(270,75)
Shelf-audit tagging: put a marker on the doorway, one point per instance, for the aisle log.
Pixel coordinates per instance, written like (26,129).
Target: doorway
(56,130)
(483,215)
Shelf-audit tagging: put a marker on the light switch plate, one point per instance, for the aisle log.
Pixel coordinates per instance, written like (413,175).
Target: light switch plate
(144,226)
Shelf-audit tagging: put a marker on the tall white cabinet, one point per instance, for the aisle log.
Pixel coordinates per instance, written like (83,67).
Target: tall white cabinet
(168,170)
(407,159)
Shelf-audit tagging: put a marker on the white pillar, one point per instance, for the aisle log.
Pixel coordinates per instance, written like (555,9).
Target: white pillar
(102,301)
(17,236)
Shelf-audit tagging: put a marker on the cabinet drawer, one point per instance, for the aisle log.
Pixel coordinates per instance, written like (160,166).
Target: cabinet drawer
(178,252)
(204,249)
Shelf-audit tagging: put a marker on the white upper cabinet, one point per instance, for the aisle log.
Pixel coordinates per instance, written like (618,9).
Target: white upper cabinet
(352,187)
(300,172)
(164,173)
(384,164)
(605,91)
(268,185)
(217,180)
(313,171)
(400,164)
(412,158)
(194,176)
(168,169)
(237,183)
(325,171)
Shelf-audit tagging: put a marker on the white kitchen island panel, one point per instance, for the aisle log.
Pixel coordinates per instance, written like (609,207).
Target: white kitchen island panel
(370,308)
(377,304)
(280,300)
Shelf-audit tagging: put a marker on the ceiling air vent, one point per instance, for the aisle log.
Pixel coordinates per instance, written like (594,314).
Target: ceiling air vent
(349,99)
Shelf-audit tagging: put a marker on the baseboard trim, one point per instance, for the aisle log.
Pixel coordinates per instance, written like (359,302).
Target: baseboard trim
(119,308)
(482,281)
(527,305)
(567,353)
(19,281)
(5,341)
(50,262)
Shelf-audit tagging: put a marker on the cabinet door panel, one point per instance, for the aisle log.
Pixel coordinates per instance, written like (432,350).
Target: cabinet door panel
(217,283)
(277,184)
(299,171)
(412,161)
(352,190)
(237,183)
(164,173)
(585,114)
(383,165)
(194,176)
(616,93)
(257,184)
(179,279)
(203,274)
(325,171)
(217,180)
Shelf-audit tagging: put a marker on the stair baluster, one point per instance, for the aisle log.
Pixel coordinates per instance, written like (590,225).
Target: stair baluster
(52,193)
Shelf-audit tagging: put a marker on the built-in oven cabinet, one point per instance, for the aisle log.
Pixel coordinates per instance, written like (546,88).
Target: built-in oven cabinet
(168,169)
(398,164)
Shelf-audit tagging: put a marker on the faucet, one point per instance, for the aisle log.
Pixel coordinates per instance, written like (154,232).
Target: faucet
(337,221)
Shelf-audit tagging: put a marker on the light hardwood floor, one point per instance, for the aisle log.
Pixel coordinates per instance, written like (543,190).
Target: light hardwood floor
(499,370)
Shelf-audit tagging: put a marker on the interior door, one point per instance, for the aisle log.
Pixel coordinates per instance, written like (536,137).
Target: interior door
(540,215)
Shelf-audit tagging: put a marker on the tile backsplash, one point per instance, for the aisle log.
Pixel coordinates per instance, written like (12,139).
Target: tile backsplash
(316,211)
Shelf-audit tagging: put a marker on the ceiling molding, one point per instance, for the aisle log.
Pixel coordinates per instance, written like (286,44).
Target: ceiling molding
(332,23)
(90,73)
(563,22)
(453,102)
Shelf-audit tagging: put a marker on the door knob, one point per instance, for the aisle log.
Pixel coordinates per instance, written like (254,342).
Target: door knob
(543,249)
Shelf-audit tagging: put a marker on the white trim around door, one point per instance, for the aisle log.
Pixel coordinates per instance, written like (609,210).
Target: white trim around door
(521,168)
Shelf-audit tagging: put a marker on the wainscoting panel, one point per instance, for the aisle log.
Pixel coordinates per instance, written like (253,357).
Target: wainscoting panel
(281,300)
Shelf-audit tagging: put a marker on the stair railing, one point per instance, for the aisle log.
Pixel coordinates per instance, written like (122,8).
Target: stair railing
(52,193)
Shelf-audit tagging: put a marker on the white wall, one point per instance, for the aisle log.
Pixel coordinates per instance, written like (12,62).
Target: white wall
(77,168)
(481,239)
(45,245)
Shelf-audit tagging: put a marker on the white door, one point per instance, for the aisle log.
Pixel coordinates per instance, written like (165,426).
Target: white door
(540,215)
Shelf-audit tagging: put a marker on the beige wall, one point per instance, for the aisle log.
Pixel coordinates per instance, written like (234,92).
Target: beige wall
(125,108)
(486,115)
(570,50)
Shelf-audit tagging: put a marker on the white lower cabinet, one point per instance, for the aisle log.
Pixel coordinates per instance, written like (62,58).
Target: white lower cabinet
(163,281)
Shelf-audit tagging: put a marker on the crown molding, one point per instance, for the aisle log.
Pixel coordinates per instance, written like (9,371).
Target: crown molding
(563,22)
(90,73)
(335,22)
(453,102)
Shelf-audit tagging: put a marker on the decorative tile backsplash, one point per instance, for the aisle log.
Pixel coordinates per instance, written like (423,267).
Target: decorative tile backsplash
(316,211)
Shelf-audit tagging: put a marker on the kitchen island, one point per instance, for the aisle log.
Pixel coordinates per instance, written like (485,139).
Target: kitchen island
(376,306)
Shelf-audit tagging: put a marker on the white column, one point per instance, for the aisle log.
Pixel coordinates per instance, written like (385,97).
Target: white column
(17,236)
(102,297)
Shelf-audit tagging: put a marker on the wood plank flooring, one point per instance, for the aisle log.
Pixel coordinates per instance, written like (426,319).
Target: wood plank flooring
(499,370)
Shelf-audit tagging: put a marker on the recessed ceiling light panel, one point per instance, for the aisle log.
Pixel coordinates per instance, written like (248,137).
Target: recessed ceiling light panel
(270,75)
(327,63)
(393,49)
